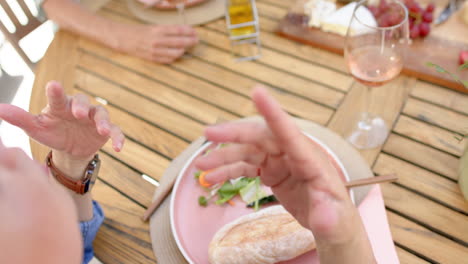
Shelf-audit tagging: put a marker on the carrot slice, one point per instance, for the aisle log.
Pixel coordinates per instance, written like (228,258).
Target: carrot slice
(231,202)
(202,179)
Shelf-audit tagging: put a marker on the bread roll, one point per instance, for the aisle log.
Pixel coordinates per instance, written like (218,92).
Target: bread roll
(265,237)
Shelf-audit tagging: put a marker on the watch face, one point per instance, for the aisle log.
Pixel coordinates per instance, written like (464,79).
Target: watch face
(93,171)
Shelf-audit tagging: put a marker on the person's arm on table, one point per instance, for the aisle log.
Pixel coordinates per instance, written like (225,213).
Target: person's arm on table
(162,44)
(75,130)
(300,175)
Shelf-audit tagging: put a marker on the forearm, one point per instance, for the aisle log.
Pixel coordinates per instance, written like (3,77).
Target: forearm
(354,248)
(74,17)
(75,170)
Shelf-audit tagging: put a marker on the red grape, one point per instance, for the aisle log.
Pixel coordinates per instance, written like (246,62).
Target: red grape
(424,29)
(427,17)
(389,14)
(414,7)
(414,32)
(463,57)
(430,7)
(393,18)
(411,23)
(383,21)
(375,11)
(383,6)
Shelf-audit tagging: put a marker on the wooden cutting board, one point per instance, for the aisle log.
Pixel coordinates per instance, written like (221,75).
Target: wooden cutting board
(441,47)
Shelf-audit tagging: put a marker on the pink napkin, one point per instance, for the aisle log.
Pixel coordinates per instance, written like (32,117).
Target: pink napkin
(372,211)
(374,216)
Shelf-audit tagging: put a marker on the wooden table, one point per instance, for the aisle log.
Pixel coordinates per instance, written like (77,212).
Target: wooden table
(161,109)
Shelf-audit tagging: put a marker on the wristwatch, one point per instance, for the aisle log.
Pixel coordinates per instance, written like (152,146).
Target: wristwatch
(81,186)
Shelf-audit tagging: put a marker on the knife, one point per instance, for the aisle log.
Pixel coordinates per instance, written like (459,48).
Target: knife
(451,8)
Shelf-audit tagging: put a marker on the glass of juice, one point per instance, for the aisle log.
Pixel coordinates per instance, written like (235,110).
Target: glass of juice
(243,28)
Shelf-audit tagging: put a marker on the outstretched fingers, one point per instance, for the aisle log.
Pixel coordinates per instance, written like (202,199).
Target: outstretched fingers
(286,132)
(57,100)
(118,138)
(100,115)
(80,106)
(105,128)
(232,171)
(18,117)
(252,132)
(231,154)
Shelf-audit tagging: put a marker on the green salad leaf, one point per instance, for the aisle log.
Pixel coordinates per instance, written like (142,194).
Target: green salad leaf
(229,189)
(202,201)
(252,192)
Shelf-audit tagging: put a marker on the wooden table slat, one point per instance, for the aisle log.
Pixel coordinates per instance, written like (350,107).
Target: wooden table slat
(441,96)
(180,125)
(140,158)
(422,155)
(283,63)
(172,81)
(123,238)
(240,84)
(427,212)
(291,48)
(161,93)
(406,257)
(279,3)
(434,247)
(271,11)
(428,134)
(125,180)
(274,78)
(436,115)
(149,135)
(432,185)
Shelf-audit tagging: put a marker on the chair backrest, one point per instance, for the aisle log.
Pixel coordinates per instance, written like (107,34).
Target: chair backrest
(20,30)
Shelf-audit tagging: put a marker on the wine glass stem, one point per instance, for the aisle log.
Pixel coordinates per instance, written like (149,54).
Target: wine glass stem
(368,98)
(366,121)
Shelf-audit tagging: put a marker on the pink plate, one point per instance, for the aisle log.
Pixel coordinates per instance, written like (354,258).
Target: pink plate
(194,226)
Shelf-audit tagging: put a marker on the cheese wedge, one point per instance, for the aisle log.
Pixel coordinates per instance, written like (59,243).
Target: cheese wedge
(268,236)
(339,21)
(318,10)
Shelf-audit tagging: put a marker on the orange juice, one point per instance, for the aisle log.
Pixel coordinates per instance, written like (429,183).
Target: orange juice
(240,11)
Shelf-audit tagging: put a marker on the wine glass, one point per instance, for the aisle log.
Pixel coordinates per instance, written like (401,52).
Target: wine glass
(374,52)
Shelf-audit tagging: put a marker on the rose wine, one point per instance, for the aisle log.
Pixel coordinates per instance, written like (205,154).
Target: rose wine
(373,65)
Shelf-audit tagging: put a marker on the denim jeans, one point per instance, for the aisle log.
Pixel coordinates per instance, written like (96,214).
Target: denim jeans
(89,230)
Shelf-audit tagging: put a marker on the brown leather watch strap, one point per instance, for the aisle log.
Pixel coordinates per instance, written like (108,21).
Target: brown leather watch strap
(81,186)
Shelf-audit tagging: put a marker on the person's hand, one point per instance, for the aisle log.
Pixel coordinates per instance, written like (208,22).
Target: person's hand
(69,125)
(158,43)
(300,174)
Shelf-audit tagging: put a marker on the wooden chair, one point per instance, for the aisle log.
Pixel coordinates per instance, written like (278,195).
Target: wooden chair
(20,30)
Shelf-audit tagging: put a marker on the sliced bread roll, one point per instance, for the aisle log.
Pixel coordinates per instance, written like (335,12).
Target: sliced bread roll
(265,237)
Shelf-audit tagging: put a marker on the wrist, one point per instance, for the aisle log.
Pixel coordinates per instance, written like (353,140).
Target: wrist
(118,36)
(341,225)
(71,166)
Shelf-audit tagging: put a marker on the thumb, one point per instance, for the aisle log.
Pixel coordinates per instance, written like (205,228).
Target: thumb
(18,117)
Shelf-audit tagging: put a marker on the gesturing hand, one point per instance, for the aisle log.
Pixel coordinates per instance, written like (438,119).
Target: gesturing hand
(299,173)
(69,125)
